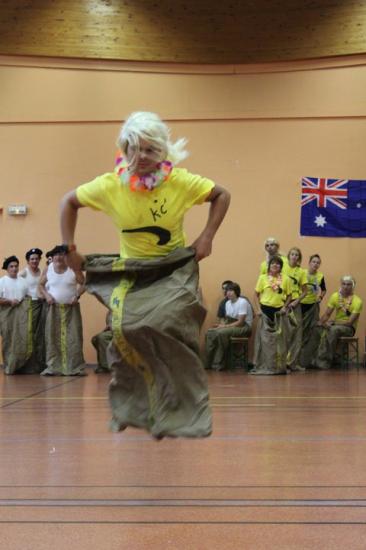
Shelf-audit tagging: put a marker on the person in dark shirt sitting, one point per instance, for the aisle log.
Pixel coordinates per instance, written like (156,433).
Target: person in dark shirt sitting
(222,304)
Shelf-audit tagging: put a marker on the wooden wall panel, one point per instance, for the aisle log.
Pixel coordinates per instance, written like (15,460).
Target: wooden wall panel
(184,31)
(50,94)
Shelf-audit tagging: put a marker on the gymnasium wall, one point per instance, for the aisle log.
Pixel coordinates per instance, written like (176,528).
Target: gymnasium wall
(255,129)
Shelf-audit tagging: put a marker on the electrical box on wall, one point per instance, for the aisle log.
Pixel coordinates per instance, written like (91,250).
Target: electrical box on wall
(17,210)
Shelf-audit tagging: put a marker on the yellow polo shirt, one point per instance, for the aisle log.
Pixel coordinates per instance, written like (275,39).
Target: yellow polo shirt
(149,223)
(298,278)
(336,302)
(270,297)
(313,287)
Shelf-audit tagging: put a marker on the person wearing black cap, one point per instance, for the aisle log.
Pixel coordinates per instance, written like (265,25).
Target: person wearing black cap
(48,257)
(32,273)
(61,287)
(14,312)
(12,289)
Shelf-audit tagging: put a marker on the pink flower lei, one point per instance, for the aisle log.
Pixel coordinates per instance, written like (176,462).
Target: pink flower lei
(146,182)
(345,302)
(275,282)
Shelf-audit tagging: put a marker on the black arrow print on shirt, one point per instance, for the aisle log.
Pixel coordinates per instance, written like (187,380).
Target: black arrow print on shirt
(163,234)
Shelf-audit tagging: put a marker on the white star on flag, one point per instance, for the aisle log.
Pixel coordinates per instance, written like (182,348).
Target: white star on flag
(320,221)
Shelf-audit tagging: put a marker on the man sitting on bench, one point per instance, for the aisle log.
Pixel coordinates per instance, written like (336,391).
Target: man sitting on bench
(237,322)
(347,307)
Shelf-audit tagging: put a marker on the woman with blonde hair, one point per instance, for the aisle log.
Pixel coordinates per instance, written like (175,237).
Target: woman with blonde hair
(158,381)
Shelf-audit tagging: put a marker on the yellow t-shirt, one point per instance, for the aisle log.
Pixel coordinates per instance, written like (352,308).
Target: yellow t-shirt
(264,265)
(269,296)
(313,287)
(150,223)
(344,305)
(298,278)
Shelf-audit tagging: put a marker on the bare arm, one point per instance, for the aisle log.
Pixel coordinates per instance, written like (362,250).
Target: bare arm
(239,323)
(69,214)
(42,288)
(286,304)
(257,303)
(220,200)
(80,279)
(326,316)
(295,302)
(80,288)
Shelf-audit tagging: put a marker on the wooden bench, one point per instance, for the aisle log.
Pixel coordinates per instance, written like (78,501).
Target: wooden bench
(348,351)
(238,360)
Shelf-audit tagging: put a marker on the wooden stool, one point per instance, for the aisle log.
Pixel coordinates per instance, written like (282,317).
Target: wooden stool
(348,347)
(242,359)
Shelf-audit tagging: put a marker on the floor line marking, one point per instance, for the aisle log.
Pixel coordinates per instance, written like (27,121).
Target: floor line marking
(28,397)
(185,503)
(213,398)
(142,522)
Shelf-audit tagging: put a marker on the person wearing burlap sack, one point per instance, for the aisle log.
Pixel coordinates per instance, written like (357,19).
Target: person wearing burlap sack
(15,319)
(61,288)
(158,382)
(347,307)
(273,294)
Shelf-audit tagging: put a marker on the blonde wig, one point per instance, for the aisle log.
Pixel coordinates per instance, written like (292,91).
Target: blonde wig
(150,128)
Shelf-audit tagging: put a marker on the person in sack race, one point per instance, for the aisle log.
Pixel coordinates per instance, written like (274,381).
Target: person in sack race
(310,309)
(273,294)
(32,275)
(151,287)
(15,311)
(62,287)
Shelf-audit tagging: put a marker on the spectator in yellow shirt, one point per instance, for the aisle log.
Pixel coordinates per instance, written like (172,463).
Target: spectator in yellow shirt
(272,248)
(347,307)
(310,309)
(298,279)
(273,295)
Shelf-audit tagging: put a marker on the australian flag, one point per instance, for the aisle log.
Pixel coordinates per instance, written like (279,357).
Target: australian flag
(333,208)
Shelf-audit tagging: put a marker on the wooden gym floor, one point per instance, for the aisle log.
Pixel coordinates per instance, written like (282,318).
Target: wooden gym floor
(285,468)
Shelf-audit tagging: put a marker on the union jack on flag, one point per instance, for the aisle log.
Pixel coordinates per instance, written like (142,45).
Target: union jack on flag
(333,207)
(323,190)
